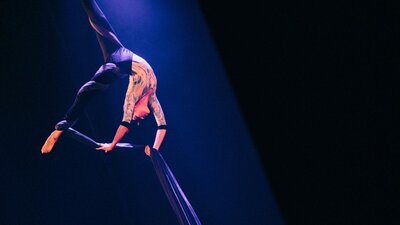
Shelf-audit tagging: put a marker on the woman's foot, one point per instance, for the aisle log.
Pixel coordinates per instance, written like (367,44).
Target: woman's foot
(50,141)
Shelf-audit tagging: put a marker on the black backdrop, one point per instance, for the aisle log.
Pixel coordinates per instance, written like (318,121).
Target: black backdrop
(317,82)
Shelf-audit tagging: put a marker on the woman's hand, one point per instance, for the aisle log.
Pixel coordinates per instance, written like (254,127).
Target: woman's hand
(147,150)
(106,147)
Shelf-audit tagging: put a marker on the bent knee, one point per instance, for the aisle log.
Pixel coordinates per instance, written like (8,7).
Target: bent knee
(92,86)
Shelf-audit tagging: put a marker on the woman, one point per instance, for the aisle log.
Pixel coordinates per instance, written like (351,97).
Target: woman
(119,62)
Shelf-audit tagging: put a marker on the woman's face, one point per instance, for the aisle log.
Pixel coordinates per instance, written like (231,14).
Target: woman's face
(140,112)
(141,109)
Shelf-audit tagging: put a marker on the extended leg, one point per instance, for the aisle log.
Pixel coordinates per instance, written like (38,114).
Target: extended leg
(107,73)
(105,33)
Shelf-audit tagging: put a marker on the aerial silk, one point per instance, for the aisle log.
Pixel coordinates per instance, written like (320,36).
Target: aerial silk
(176,197)
(83,139)
(180,204)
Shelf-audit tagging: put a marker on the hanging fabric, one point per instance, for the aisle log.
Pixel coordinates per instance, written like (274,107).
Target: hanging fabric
(176,197)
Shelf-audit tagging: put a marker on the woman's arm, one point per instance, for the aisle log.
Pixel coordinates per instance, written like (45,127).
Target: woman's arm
(159,138)
(121,131)
(160,120)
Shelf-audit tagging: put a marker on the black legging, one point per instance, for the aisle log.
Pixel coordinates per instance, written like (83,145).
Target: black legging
(117,61)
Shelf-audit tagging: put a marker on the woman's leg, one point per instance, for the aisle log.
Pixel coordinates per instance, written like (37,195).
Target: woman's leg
(105,76)
(106,35)
(107,73)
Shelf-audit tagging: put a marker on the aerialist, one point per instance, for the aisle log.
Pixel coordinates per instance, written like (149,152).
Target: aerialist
(119,62)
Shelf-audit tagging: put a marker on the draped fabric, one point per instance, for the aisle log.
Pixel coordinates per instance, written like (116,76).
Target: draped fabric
(85,140)
(176,197)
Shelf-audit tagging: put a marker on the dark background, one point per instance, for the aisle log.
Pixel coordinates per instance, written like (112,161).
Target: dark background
(317,82)
(49,50)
